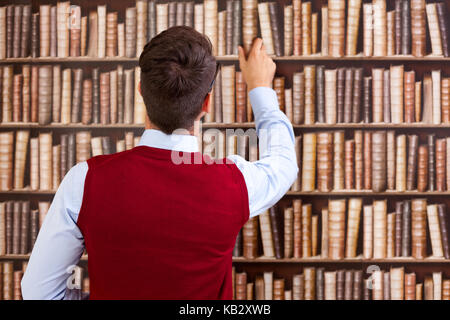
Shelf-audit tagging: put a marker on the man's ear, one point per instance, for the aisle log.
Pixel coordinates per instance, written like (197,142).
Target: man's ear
(206,108)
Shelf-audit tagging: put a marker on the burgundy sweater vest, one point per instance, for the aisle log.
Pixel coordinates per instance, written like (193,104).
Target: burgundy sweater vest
(154,229)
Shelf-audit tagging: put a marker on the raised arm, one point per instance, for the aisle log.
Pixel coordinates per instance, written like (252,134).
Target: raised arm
(272,175)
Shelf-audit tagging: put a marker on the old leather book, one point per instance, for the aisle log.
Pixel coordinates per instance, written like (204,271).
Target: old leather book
(20,157)
(309,162)
(62,20)
(237,27)
(387,96)
(151,17)
(336,228)
(320,93)
(368,231)
(330,285)
(7,93)
(324,240)
(397,283)
(101,30)
(336,28)
(92,46)
(418,228)
(266,234)
(276,32)
(71,150)
(111,34)
(172,14)
(297,27)
(34,163)
(418,100)
(56,158)
(409,95)
(431,162)
(379,28)
(8,282)
(53,42)
(129,96)
(413,144)
(9,212)
(237,250)
(249,22)
(427,99)
(410,286)
(83,145)
(349,180)
(348,95)
(422,165)
(298,287)
(250,238)
(396,73)
(3,32)
(24,230)
(400,164)
(86,109)
(406,28)
(56,94)
(276,233)
(130,32)
(441,149)
(268,285)
(390,241)
(446,289)
(398,26)
(17,30)
(210,10)
(83,37)
(139,105)
(66,96)
(217,93)
(25,31)
(320,295)
(310,283)
(6,160)
(34,35)
(45,94)
(288,232)
(34,226)
(297,221)
(437,285)
(76,97)
(259,288)
(338,160)
(314,233)
(265,27)
(9,30)
(306,231)
(390,33)
(436,92)
(17,98)
(428,288)
(367,100)
(113,96)
(348,284)
(445,100)
(228,91)
(353,12)
(162,17)
(418,28)
(306,37)
(357,94)
(442,14)
(229,27)
(354,214)
(367,29)
(435,232)
(104,97)
(278,86)
(379,161)
(288,29)
(378,285)
(340,279)
(179,21)
(314,27)
(324,32)
(298,92)
(398,229)
(221,33)
(288,104)
(45,161)
(75,31)
(367,160)
(310,93)
(444,229)
(340,94)
(141,25)
(406,229)
(241,285)
(298,146)
(324,161)
(95,96)
(433,27)
(278,289)
(377,94)
(379,229)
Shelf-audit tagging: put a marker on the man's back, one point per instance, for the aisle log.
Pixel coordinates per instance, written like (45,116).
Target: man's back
(150,240)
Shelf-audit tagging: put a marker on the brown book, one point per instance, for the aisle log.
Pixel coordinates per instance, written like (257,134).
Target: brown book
(418,28)
(441,149)
(340,279)
(45,94)
(320,295)
(141,25)
(435,232)
(130,32)
(297,221)
(418,100)
(228,91)
(445,100)
(34,35)
(357,94)
(306,25)
(390,30)
(276,32)
(379,229)
(111,34)
(17,30)
(433,27)
(6,160)
(250,238)
(446,289)
(298,92)
(398,229)
(288,29)
(24,228)
(172,14)
(34,163)
(400,165)
(306,231)
(179,20)
(396,73)
(120,94)
(444,229)
(83,36)
(265,27)
(338,160)
(66,92)
(83,146)
(379,161)
(314,27)
(336,228)
(379,28)
(406,229)
(241,285)
(348,96)
(217,94)
(276,233)
(266,234)
(75,31)
(309,162)
(367,29)
(56,163)
(3,32)
(427,99)
(410,286)
(9,30)
(353,13)
(442,14)
(367,101)
(25,28)
(418,228)
(330,285)
(298,287)
(249,22)
(113,96)
(20,157)
(221,33)
(325,234)
(288,232)
(422,168)
(413,144)
(340,94)
(278,86)
(228,28)
(431,162)
(367,160)
(349,164)
(278,289)
(320,93)
(76,96)
(86,109)
(406,28)
(297,27)
(259,288)
(428,288)
(367,231)
(310,283)
(397,283)
(409,95)
(8,283)
(310,93)
(354,214)
(56,94)
(336,28)
(390,233)
(7,93)
(16,228)
(17,98)
(104,98)
(210,10)
(348,284)
(237,27)
(129,96)
(324,161)
(377,94)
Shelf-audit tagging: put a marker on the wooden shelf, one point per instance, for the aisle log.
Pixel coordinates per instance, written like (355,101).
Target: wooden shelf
(359,259)
(233,58)
(244,125)
(27,256)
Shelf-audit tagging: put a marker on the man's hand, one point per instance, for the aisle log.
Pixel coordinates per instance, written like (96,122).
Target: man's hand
(258,69)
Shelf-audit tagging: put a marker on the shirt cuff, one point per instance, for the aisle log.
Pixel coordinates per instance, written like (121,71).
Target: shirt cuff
(263,99)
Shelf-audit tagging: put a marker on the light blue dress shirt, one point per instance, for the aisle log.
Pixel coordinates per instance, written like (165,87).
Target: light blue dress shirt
(60,243)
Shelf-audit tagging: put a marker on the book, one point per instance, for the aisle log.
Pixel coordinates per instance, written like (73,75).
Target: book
(336,28)
(336,228)
(306,28)
(406,28)
(379,28)
(274,24)
(443,27)
(435,232)
(444,229)
(367,29)
(433,27)
(306,230)
(309,162)
(354,214)
(353,14)
(418,28)
(418,228)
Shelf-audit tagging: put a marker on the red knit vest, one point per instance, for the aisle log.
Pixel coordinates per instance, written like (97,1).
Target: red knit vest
(154,229)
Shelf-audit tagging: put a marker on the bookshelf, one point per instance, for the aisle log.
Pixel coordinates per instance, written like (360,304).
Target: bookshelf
(286,66)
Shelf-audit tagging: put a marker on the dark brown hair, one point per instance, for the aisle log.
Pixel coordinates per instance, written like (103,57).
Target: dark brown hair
(177,70)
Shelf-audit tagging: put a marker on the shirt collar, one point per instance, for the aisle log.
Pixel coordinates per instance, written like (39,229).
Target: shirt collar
(177,142)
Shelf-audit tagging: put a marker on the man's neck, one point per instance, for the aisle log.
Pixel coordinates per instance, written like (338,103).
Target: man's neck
(194,131)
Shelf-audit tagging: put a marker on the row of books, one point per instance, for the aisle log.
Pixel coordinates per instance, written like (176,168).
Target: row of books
(323,284)
(61,31)
(10,279)
(372,160)
(48,162)
(347,229)
(49,94)
(19,225)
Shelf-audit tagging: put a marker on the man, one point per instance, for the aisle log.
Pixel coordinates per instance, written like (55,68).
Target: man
(155,228)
